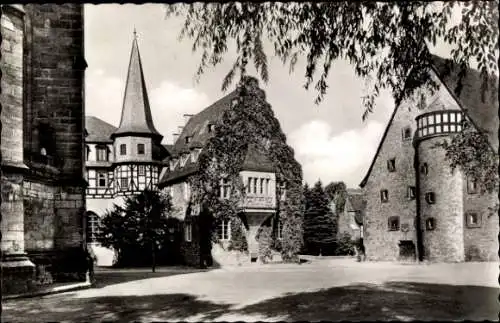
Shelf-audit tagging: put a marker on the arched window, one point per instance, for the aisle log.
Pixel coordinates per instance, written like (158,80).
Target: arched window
(93,227)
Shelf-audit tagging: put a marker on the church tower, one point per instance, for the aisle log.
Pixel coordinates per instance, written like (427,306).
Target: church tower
(136,142)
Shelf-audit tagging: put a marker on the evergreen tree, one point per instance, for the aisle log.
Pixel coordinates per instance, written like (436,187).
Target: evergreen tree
(138,227)
(319,230)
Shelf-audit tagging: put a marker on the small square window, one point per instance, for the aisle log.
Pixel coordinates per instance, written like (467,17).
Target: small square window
(430,224)
(391,165)
(430,197)
(140,149)
(471,185)
(411,192)
(473,219)
(407,133)
(141,170)
(123,149)
(393,223)
(424,169)
(188,139)
(102,179)
(211,127)
(384,196)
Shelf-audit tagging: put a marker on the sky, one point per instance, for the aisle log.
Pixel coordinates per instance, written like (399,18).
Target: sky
(330,140)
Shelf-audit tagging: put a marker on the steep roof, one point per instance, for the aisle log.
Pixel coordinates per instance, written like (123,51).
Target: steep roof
(197,129)
(482,113)
(98,130)
(136,113)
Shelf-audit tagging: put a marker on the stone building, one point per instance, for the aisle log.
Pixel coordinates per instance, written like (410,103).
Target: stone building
(350,221)
(417,208)
(42,98)
(258,208)
(121,161)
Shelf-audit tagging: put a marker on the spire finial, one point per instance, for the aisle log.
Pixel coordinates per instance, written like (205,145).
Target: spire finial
(135,33)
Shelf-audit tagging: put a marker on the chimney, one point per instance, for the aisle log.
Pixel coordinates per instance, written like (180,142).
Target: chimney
(187,117)
(176,135)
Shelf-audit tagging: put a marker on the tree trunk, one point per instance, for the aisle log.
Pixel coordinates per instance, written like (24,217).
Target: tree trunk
(153,256)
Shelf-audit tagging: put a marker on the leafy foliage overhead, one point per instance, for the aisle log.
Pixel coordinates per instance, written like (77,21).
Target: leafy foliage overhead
(386,42)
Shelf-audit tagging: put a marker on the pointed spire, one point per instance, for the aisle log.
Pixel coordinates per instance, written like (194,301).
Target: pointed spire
(136,114)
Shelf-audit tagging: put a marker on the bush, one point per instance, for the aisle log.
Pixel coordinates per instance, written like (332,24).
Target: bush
(345,245)
(238,240)
(265,241)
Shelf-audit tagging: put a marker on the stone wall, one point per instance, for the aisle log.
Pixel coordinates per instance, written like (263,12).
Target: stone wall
(481,242)
(445,241)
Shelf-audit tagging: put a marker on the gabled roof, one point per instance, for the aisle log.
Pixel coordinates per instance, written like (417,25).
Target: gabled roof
(483,115)
(98,130)
(197,129)
(136,113)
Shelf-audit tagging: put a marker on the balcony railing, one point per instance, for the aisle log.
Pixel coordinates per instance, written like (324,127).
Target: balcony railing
(259,202)
(439,122)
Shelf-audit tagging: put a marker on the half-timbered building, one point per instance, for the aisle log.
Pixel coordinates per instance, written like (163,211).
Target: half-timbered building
(125,160)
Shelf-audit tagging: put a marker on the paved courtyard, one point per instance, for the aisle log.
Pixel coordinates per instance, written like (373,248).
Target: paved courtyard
(321,290)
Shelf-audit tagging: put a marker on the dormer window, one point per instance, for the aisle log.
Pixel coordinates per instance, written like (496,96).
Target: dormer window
(195,153)
(101,153)
(391,165)
(188,139)
(173,163)
(184,159)
(123,149)
(210,127)
(406,133)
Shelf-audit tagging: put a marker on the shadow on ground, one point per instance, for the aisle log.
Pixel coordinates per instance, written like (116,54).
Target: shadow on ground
(391,301)
(106,277)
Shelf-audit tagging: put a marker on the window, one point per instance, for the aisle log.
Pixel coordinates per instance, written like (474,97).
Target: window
(430,224)
(407,133)
(430,197)
(391,165)
(255,185)
(101,179)
(249,185)
(188,139)
(87,152)
(93,226)
(411,192)
(123,149)
(211,127)
(188,232)
(262,186)
(102,153)
(141,170)
(384,196)
(225,188)
(424,169)
(124,183)
(279,231)
(267,186)
(184,159)
(473,220)
(471,185)
(393,223)
(187,191)
(140,149)
(224,230)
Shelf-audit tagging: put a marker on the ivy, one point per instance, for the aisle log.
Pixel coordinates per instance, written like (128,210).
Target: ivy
(250,122)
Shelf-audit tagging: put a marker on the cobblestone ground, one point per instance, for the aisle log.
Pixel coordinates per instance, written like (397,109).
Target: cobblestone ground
(321,290)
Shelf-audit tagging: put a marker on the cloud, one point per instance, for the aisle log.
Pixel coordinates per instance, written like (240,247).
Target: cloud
(103,95)
(334,157)
(169,102)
